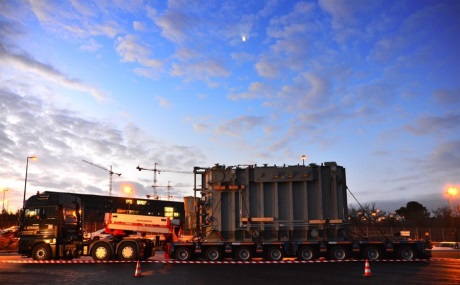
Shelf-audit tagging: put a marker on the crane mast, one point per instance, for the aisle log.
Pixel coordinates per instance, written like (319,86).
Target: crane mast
(108,170)
(155,171)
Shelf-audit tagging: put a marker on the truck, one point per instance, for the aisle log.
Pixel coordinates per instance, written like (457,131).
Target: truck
(50,227)
(247,211)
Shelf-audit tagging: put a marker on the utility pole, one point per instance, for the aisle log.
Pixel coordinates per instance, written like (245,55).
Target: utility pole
(108,170)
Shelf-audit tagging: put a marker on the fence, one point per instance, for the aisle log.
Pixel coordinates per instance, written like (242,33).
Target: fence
(436,234)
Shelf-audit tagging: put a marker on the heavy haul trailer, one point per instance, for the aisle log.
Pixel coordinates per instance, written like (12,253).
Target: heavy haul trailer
(273,212)
(50,227)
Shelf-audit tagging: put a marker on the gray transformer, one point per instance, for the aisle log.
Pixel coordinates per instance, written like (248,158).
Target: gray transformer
(269,203)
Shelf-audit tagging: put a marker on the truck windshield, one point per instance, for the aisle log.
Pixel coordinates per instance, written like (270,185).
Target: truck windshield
(34,214)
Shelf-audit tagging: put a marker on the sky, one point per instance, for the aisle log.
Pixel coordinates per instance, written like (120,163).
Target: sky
(372,85)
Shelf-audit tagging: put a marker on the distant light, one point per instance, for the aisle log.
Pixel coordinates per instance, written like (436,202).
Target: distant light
(243,38)
(452,191)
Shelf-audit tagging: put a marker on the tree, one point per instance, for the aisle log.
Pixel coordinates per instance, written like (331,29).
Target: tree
(442,217)
(415,214)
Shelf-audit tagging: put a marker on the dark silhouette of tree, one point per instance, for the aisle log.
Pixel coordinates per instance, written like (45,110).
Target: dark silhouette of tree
(414,214)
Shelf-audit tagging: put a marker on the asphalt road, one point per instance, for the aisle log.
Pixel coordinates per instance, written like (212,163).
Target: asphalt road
(438,271)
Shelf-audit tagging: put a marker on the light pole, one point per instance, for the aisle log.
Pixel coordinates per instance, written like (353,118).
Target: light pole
(303,159)
(452,191)
(3,206)
(128,190)
(25,180)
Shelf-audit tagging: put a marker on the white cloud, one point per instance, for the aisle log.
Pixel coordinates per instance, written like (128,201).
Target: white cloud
(163,102)
(26,64)
(132,50)
(255,90)
(138,26)
(91,45)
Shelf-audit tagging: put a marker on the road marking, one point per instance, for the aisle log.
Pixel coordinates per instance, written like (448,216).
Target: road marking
(211,262)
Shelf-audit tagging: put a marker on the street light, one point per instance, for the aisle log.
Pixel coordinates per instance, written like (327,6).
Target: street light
(128,190)
(452,191)
(3,207)
(303,159)
(25,180)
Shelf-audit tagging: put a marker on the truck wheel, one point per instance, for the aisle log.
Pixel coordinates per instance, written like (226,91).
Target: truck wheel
(274,253)
(41,252)
(101,251)
(183,254)
(406,253)
(306,253)
(214,254)
(243,254)
(339,253)
(372,253)
(127,251)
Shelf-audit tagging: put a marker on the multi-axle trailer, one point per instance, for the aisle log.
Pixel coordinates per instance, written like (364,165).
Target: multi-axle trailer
(299,211)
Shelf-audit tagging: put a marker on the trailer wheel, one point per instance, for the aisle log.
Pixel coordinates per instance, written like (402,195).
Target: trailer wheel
(275,253)
(339,253)
(183,254)
(41,252)
(101,251)
(214,254)
(127,251)
(306,253)
(243,253)
(406,253)
(372,253)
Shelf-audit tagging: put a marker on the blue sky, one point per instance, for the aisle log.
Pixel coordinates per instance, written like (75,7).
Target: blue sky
(372,85)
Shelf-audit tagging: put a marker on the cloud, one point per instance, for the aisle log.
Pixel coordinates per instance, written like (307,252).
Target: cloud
(163,102)
(447,97)
(345,15)
(138,26)
(61,138)
(201,69)
(238,126)
(91,45)
(255,90)
(26,64)
(430,125)
(74,20)
(306,92)
(131,50)
(176,23)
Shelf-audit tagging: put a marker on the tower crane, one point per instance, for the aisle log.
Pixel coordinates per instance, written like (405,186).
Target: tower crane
(108,170)
(155,171)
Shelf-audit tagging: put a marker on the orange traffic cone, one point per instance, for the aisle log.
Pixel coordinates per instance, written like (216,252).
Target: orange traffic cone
(138,272)
(367,269)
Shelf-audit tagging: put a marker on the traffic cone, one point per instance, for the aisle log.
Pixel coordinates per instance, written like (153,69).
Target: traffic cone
(367,269)
(138,272)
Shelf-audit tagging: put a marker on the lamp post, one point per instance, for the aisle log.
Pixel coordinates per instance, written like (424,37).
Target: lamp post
(3,204)
(128,190)
(3,207)
(452,191)
(25,180)
(303,159)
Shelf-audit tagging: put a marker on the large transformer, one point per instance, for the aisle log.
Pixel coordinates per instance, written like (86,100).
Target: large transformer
(269,203)
(241,212)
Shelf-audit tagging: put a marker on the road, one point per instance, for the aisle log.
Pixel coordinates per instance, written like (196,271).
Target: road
(13,270)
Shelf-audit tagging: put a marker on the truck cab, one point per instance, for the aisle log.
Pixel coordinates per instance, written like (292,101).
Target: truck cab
(50,226)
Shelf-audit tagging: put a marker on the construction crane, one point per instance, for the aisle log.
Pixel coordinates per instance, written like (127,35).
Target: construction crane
(155,171)
(108,170)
